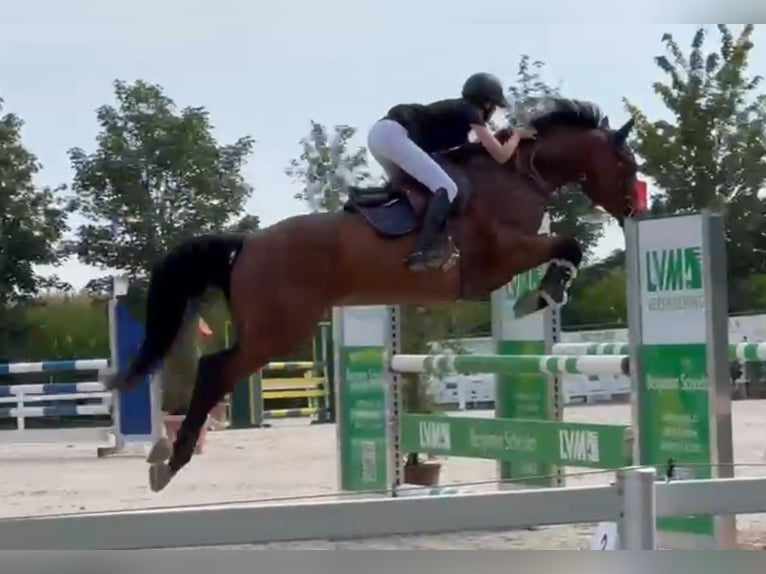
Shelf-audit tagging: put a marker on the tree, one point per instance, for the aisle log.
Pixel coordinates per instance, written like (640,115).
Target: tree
(32,221)
(568,206)
(600,301)
(711,151)
(326,168)
(157,177)
(598,294)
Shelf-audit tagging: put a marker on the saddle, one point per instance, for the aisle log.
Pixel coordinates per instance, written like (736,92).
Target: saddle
(396,208)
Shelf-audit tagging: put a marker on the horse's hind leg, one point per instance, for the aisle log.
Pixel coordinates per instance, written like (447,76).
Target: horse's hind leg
(275,330)
(217,374)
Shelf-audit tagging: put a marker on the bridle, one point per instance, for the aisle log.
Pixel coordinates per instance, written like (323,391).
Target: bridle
(540,184)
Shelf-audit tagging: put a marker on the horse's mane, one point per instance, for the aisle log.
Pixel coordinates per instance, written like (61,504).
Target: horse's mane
(553,113)
(563,112)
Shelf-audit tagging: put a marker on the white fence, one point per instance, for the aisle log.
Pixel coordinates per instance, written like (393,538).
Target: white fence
(43,400)
(21,396)
(479,389)
(634,503)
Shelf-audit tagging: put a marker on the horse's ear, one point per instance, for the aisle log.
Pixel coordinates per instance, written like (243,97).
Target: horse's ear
(621,135)
(604,125)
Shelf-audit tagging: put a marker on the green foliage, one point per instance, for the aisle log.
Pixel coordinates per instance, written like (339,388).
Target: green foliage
(326,168)
(156,177)
(711,152)
(751,290)
(602,301)
(58,326)
(587,309)
(65,327)
(14,331)
(424,324)
(32,220)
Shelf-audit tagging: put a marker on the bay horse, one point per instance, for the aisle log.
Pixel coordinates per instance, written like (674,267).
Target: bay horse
(280,281)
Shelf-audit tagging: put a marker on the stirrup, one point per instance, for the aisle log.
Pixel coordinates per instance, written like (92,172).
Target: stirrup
(417,260)
(434,257)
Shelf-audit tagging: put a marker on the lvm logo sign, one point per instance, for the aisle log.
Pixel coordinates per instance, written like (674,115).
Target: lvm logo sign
(579,446)
(434,435)
(674,278)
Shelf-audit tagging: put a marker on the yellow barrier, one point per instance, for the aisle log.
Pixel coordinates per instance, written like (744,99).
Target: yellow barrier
(290,413)
(302,394)
(304,390)
(308,387)
(290,365)
(291,383)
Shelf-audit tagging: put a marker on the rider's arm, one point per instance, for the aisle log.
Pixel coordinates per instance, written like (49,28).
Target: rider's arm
(500,152)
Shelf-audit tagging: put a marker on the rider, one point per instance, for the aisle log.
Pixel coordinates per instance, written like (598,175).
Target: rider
(409,133)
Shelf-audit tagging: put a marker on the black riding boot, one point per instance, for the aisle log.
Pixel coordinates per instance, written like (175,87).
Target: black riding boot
(427,252)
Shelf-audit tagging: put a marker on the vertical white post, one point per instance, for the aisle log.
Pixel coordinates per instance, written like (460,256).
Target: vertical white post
(20,423)
(461,394)
(155,396)
(637,526)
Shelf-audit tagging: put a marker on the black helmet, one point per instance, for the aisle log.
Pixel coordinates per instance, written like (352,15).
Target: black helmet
(483,88)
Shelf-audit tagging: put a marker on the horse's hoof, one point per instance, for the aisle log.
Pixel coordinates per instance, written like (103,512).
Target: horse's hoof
(160,452)
(159,476)
(554,287)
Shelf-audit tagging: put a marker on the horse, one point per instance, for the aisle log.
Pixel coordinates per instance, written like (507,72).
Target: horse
(280,281)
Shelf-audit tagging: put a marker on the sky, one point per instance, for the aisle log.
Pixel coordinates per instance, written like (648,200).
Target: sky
(267,69)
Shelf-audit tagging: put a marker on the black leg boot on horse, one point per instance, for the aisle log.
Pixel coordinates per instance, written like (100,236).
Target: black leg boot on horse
(553,290)
(432,250)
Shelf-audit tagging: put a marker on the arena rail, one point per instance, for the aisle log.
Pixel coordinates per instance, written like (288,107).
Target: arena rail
(635,502)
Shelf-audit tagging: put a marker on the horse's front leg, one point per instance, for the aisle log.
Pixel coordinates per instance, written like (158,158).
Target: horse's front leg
(523,252)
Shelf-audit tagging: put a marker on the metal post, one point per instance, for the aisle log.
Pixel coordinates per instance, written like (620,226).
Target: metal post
(20,422)
(394,400)
(637,525)
(114,363)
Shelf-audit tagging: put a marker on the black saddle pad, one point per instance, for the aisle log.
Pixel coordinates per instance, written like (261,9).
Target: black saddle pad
(393,217)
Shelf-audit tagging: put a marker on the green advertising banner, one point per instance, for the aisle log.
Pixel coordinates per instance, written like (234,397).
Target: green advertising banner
(675,294)
(553,443)
(361,399)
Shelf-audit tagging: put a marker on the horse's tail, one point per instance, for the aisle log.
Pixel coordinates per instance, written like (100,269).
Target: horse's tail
(181,277)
